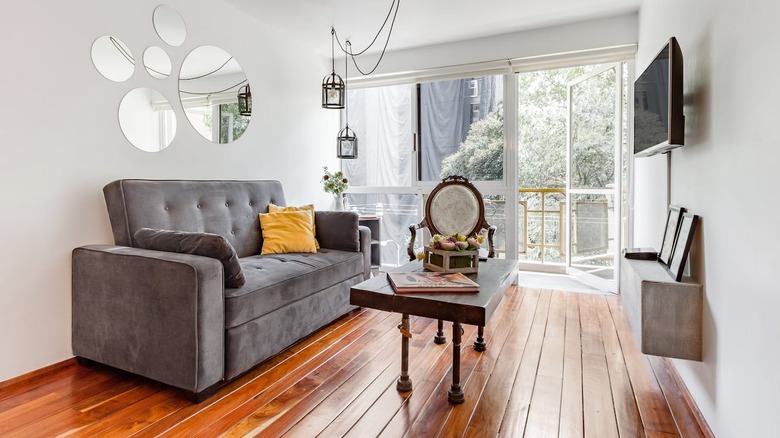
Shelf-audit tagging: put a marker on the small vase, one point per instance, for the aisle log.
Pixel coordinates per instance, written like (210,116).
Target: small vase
(339,200)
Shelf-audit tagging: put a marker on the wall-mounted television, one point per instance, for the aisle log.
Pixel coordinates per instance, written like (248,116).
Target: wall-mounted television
(659,123)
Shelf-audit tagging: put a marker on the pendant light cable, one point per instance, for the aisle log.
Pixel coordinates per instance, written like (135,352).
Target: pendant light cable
(347,47)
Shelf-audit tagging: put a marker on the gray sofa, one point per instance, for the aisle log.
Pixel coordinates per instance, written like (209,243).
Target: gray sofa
(168,315)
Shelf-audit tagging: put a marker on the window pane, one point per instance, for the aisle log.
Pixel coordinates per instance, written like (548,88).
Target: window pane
(233,124)
(462,129)
(395,212)
(382,120)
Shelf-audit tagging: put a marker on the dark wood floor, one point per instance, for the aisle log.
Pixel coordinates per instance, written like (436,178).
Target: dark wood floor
(558,364)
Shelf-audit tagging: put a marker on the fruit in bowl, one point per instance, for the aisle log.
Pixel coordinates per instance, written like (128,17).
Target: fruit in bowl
(455,242)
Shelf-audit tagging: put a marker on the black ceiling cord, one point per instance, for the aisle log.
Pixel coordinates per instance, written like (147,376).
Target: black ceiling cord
(347,47)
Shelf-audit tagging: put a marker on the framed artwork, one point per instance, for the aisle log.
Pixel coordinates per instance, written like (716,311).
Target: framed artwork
(670,234)
(684,239)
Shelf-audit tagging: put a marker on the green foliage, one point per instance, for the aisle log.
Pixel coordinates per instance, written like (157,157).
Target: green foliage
(334,183)
(542,131)
(481,156)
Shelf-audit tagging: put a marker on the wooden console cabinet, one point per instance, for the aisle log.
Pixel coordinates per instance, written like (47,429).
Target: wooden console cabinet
(664,315)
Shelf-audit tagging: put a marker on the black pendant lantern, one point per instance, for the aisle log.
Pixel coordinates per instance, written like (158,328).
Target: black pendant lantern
(333,88)
(346,142)
(245,101)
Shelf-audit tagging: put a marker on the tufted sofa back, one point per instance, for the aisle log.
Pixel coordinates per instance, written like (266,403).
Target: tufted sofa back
(227,208)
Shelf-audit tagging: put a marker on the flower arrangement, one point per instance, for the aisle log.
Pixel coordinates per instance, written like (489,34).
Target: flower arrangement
(334,183)
(454,242)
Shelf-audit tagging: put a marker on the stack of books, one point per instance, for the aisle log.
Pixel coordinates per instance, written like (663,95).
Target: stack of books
(405,282)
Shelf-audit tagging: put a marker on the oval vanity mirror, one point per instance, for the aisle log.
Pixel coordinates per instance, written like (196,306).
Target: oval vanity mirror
(157,62)
(147,119)
(210,83)
(112,58)
(169,25)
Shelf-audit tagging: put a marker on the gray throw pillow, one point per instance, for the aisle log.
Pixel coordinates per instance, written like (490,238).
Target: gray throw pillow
(202,244)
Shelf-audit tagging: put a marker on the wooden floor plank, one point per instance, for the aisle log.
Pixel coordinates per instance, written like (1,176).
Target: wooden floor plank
(382,386)
(489,412)
(516,411)
(277,416)
(545,407)
(626,410)
(287,385)
(338,400)
(655,413)
(686,421)
(571,422)
(459,418)
(557,364)
(246,398)
(307,349)
(426,375)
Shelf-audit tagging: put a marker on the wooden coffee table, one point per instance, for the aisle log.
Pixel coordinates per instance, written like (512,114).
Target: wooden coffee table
(494,278)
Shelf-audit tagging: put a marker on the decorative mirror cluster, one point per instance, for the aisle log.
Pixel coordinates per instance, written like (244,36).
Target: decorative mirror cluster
(213,89)
(169,25)
(112,58)
(157,62)
(210,83)
(147,119)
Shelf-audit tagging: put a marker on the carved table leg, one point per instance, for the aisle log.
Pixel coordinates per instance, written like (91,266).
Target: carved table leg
(440,337)
(455,394)
(404,383)
(479,344)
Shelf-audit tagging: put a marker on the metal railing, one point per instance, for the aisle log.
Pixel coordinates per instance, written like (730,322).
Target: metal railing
(544,212)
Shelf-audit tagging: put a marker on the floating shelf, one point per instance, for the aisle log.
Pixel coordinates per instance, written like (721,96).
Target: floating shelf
(665,315)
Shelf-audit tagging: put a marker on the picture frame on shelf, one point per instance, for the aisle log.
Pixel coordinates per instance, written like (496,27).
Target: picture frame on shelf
(670,234)
(687,228)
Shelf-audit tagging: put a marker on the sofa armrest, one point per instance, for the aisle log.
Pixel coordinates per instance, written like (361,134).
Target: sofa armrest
(153,313)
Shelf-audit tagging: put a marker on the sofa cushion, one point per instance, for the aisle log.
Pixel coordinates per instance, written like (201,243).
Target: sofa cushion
(338,230)
(287,231)
(202,244)
(274,281)
(273,208)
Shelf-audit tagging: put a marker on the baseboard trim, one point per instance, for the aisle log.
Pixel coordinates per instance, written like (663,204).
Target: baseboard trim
(688,398)
(36,374)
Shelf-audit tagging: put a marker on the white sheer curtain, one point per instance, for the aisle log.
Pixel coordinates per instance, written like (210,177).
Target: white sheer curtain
(382,120)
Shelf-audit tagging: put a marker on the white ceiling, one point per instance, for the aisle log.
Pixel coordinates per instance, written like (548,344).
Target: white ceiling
(420,22)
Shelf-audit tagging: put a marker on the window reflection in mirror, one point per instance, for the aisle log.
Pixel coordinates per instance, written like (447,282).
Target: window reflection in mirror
(147,119)
(208,88)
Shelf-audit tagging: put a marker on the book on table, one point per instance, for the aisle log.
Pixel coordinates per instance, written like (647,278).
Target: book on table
(404,282)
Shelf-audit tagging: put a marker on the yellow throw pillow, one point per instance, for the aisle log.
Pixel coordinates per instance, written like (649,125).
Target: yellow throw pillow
(287,231)
(272,208)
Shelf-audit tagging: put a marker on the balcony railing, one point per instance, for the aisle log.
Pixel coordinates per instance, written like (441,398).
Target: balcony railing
(548,205)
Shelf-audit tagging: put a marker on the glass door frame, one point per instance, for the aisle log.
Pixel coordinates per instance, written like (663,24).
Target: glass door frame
(616,192)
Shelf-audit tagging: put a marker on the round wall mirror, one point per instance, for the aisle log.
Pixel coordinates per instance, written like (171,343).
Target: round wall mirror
(209,84)
(147,119)
(157,62)
(169,25)
(112,58)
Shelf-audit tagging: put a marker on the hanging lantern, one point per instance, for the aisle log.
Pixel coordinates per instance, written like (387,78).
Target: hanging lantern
(347,144)
(245,101)
(333,92)
(333,89)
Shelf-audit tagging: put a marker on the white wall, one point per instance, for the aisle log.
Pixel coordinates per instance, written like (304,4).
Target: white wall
(61,143)
(726,174)
(599,33)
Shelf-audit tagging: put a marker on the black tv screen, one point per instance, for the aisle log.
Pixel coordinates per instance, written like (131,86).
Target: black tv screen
(659,123)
